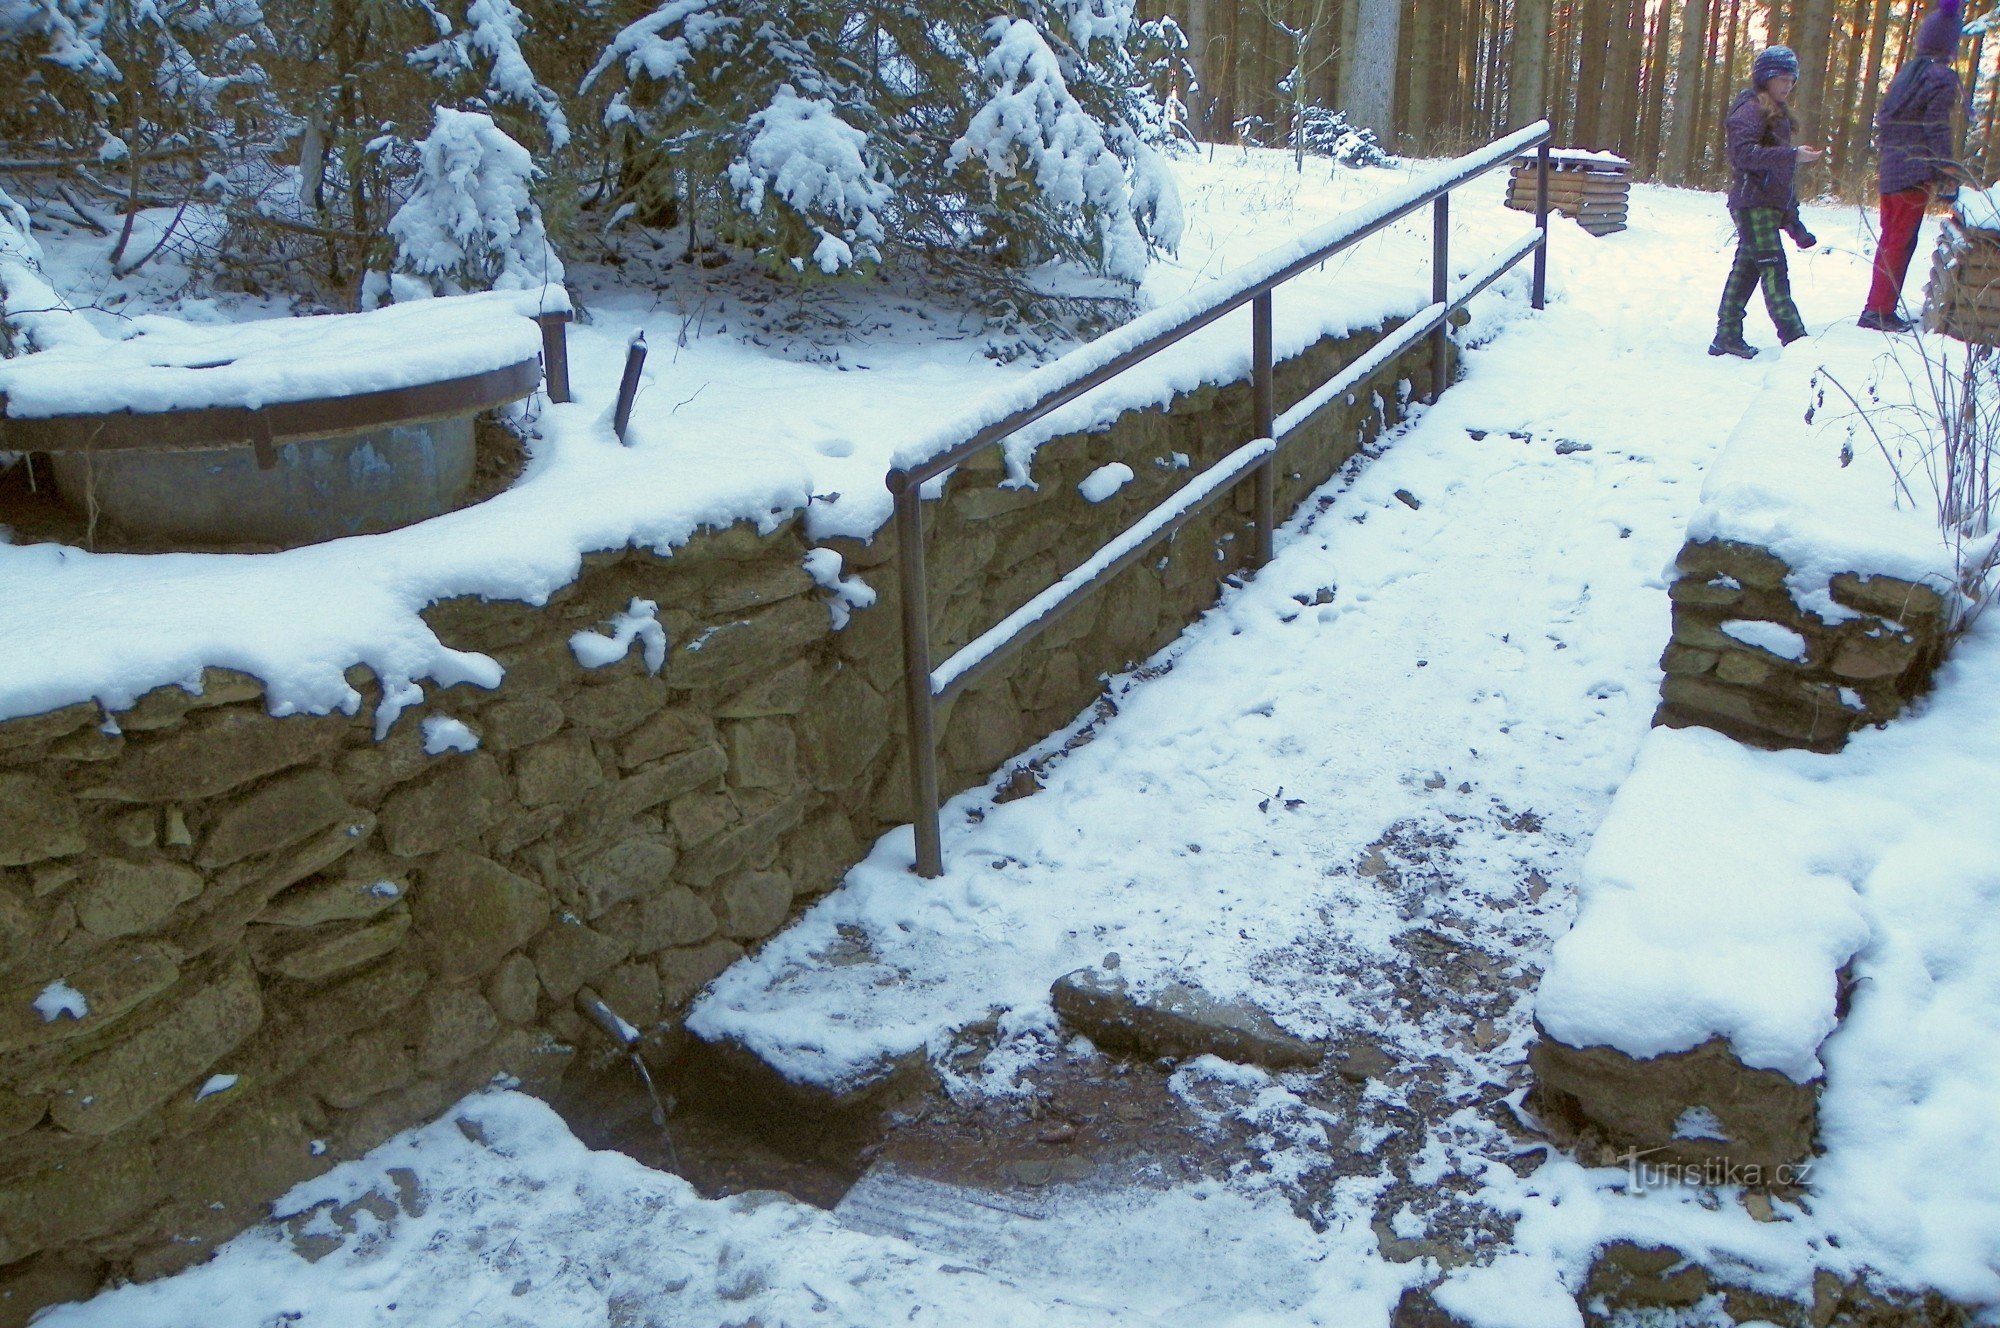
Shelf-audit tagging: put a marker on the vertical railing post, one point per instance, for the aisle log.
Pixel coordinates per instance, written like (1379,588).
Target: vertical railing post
(1264,389)
(917,673)
(1440,291)
(1542,224)
(628,386)
(555,355)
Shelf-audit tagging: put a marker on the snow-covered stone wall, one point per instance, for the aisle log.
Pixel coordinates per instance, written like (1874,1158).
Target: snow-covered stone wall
(237,947)
(1737,890)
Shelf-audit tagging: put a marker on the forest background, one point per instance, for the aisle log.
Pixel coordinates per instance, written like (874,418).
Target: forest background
(1646,79)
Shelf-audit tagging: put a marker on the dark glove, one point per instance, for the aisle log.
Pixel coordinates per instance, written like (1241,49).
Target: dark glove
(1801,237)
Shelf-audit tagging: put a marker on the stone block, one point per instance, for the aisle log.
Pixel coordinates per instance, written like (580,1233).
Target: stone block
(217,754)
(166,706)
(471,911)
(700,817)
(111,1088)
(318,953)
(1688,661)
(276,872)
(513,991)
(370,885)
(569,954)
(91,744)
(665,780)
(1881,653)
(763,754)
(1715,594)
(732,654)
(470,622)
(765,819)
(643,864)
(1888,597)
(1743,668)
(843,730)
(754,904)
(1767,1120)
(113,984)
(674,915)
(633,993)
(1748,565)
(755,586)
(664,734)
(452,1023)
(451,805)
(1755,716)
(73,1201)
(37,821)
(686,971)
(556,771)
(1177,1019)
(368,773)
(783,693)
(617,707)
(513,724)
(372,1062)
(300,1023)
(31,730)
(821,852)
(118,897)
(276,816)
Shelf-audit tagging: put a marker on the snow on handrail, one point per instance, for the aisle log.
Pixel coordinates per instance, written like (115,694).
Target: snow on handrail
(1021,403)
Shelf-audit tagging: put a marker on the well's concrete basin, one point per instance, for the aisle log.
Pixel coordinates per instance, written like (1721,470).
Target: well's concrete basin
(320,488)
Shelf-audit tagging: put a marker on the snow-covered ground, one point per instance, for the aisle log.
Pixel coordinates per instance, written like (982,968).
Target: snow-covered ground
(1380,763)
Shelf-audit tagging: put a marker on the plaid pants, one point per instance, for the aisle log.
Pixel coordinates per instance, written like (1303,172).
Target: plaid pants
(1760,258)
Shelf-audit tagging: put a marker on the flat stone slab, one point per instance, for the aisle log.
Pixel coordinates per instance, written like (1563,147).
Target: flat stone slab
(1178,1019)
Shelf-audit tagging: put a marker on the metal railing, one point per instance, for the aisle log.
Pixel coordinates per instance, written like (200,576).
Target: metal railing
(1066,379)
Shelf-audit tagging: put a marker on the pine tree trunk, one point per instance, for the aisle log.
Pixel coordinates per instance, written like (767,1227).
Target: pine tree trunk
(1679,166)
(1814,34)
(1590,72)
(1653,105)
(1370,76)
(1424,41)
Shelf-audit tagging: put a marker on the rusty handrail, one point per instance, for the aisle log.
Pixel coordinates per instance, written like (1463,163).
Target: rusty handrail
(1088,367)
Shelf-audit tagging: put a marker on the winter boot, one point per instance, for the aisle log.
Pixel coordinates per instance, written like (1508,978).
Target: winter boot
(1724,344)
(1789,335)
(1874,322)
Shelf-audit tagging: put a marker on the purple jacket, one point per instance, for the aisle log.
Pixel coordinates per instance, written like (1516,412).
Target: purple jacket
(1760,151)
(1914,124)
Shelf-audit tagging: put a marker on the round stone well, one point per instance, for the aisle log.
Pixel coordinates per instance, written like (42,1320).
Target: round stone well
(285,431)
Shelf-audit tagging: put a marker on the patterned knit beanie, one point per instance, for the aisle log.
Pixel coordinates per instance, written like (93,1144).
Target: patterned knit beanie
(1938,37)
(1773,61)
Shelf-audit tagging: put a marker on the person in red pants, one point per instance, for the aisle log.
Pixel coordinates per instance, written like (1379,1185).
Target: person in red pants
(1914,129)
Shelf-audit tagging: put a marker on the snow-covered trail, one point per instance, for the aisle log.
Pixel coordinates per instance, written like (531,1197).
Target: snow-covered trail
(1355,794)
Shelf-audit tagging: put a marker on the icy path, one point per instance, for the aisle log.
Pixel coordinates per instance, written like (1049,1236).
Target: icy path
(1355,793)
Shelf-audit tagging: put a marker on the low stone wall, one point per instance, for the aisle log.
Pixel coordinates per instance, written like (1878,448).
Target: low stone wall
(235,949)
(1749,661)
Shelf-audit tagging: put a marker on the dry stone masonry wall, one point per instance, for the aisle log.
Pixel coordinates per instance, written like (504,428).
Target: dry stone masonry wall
(1749,661)
(235,949)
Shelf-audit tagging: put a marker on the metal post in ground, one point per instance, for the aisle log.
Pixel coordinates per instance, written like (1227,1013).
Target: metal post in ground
(1263,386)
(628,386)
(1440,291)
(555,355)
(918,700)
(1542,224)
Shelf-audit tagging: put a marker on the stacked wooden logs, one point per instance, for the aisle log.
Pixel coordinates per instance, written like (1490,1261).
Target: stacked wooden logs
(1594,188)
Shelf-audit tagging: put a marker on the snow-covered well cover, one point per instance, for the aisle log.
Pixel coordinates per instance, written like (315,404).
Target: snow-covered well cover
(167,364)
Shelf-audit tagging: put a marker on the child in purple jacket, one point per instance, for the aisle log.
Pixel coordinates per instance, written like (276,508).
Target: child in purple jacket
(1914,129)
(1763,201)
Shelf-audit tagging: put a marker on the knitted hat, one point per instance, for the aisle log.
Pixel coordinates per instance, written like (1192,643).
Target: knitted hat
(1938,37)
(1773,61)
